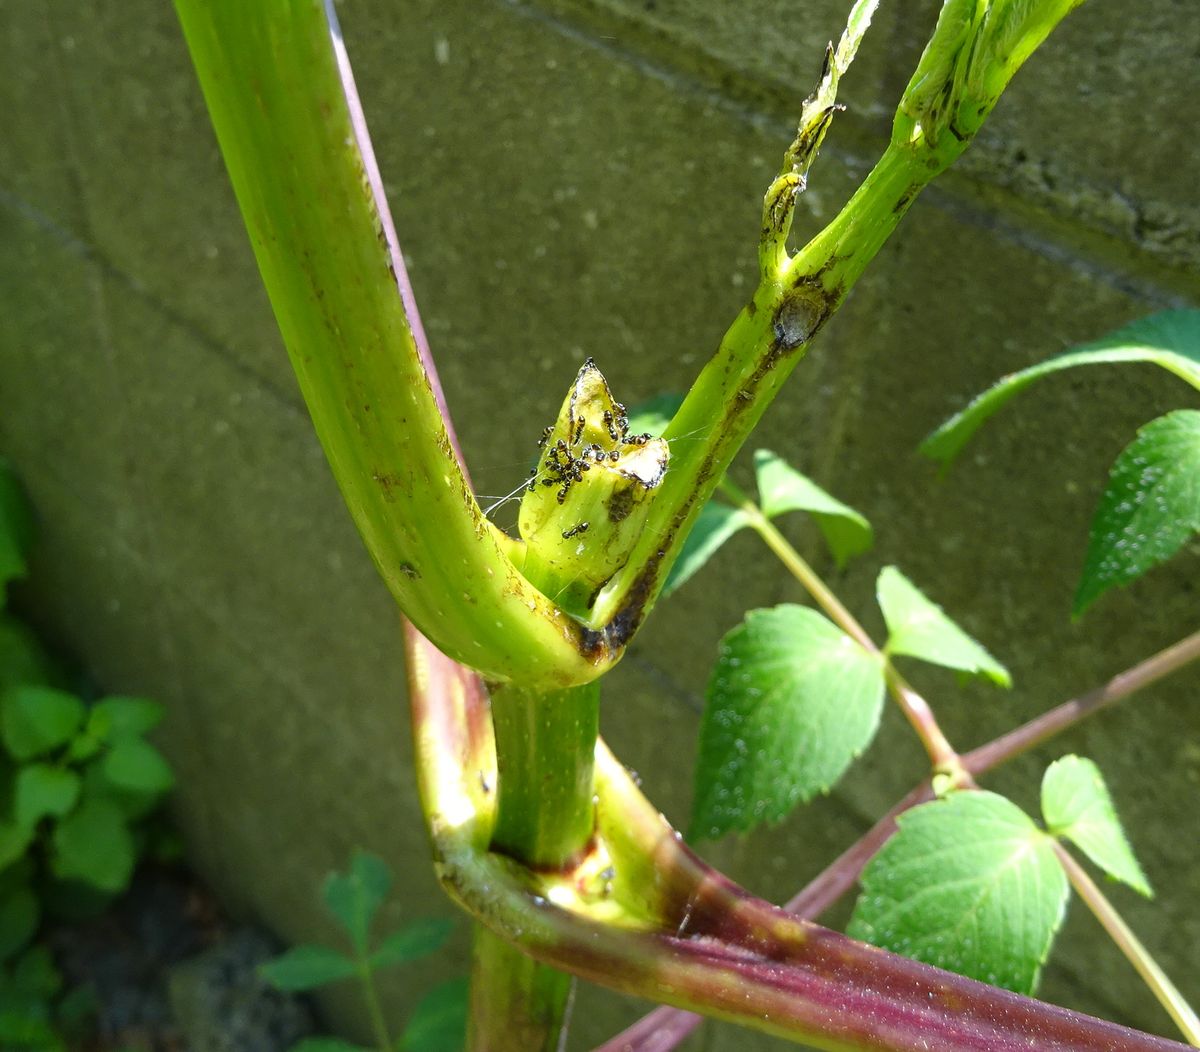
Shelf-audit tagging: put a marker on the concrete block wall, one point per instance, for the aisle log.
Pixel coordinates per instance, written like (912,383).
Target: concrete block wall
(574,178)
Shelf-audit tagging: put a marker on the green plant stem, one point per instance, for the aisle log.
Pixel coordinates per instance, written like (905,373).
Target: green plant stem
(283,104)
(1129,944)
(374,1010)
(915,708)
(545,757)
(1069,713)
(517,1004)
(545,819)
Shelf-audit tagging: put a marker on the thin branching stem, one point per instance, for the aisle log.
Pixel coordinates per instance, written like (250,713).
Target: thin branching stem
(1152,975)
(916,709)
(1069,713)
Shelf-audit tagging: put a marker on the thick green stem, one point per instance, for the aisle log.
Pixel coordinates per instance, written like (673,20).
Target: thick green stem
(517,1004)
(545,756)
(282,101)
(545,819)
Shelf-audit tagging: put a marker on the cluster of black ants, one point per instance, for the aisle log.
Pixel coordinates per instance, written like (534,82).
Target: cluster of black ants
(563,467)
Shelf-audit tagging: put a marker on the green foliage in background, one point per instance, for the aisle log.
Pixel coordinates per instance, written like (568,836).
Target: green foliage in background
(78,781)
(438,1022)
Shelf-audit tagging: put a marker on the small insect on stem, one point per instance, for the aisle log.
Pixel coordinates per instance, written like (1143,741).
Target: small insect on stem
(575,531)
(545,436)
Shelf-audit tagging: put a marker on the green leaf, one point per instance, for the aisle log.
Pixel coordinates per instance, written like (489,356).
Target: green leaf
(1076,804)
(919,628)
(133,763)
(439,1022)
(93,845)
(1150,507)
(355,897)
(306,967)
(43,789)
(970,884)
(1170,339)
(781,488)
(35,720)
(19,917)
(16,527)
(22,657)
(118,717)
(327,1044)
(791,701)
(715,524)
(414,941)
(15,838)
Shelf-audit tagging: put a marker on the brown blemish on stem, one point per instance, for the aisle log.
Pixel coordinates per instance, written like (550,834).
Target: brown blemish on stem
(388,483)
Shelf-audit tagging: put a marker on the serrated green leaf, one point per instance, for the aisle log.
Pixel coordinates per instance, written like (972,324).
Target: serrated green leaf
(307,967)
(133,763)
(35,720)
(1076,804)
(16,527)
(1170,339)
(970,884)
(791,701)
(93,845)
(1149,509)
(414,941)
(117,717)
(715,524)
(22,658)
(781,488)
(327,1044)
(19,916)
(919,628)
(42,789)
(355,897)
(439,1022)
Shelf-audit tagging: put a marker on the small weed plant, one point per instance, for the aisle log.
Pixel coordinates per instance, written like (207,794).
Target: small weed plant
(79,784)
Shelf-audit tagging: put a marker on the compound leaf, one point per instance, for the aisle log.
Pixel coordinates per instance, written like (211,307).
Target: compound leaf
(781,488)
(1170,339)
(1076,804)
(307,967)
(969,884)
(134,764)
(439,1022)
(1150,507)
(920,628)
(93,845)
(414,941)
(35,720)
(118,717)
(791,701)
(44,789)
(355,897)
